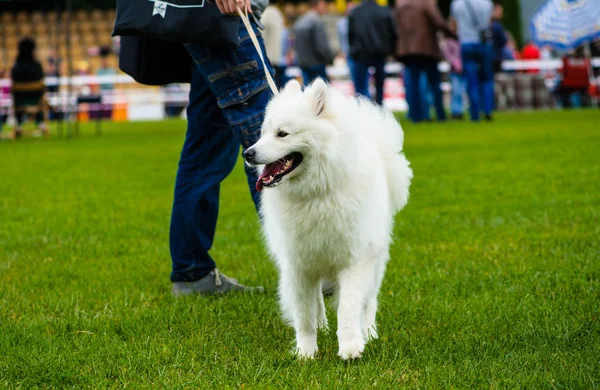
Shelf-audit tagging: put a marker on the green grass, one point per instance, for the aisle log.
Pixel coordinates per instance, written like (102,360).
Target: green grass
(494,280)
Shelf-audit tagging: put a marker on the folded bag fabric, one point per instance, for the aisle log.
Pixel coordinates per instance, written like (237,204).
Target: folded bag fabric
(182,21)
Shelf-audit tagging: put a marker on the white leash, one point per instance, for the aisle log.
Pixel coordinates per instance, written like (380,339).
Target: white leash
(246,21)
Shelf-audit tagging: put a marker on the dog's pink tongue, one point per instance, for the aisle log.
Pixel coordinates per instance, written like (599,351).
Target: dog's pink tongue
(265,173)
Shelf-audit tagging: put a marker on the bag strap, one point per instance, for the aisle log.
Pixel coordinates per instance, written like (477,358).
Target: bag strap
(246,21)
(472,15)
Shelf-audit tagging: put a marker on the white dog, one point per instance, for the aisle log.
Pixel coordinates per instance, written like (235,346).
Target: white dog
(341,178)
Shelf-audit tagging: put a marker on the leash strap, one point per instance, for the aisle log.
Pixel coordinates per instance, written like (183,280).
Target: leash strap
(246,21)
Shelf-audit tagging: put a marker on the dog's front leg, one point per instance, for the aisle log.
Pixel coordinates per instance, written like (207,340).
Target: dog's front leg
(356,283)
(303,294)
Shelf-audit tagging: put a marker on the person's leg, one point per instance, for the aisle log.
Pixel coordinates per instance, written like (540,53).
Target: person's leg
(379,80)
(424,96)
(307,75)
(241,90)
(471,72)
(359,77)
(434,82)
(228,98)
(321,71)
(457,91)
(487,79)
(209,154)
(411,88)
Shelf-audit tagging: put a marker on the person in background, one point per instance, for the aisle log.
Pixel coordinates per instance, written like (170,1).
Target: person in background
(106,87)
(574,85)
(313,51)
(27,69)
(531,52)
(417,22)
(472,19)
(451,49)
(510,51)
(499,35)
(52,70)
(342,30)
(105,69)
(371,38)
(273,36)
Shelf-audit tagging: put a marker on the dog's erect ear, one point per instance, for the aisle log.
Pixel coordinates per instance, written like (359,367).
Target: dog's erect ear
(292,86)
(318,95)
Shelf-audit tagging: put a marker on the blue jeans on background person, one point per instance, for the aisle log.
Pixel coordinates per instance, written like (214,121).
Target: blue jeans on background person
(457,85)
(360,78)
(426,98)
(479,73)
(310,73)
(412,74)
(350,61)
(228,96)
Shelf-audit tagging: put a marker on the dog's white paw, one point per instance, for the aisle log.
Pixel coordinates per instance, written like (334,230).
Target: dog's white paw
(351,349)
(370,333)
(307,351)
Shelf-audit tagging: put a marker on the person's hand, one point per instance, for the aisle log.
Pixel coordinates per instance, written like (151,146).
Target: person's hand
(229,7)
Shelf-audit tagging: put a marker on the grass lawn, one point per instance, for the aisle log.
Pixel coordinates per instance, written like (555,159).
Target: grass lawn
(494,278)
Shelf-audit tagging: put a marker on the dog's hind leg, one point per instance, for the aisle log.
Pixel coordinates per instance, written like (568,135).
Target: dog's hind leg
(370,310)
(356,283)
(322,313)
(303,294)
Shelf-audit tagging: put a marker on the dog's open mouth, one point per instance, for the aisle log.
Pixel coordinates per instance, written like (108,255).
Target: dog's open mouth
(275,171)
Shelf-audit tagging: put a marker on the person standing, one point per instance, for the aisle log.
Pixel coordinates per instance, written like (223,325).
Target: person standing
(342,31)
(273,35)
(313,51)
(499,35)
(371,38)
(417,48)
(27,69)
(473,20)
(451,49)
(227,102)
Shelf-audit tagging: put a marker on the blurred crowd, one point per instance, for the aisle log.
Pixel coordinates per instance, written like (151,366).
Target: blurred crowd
(472,41)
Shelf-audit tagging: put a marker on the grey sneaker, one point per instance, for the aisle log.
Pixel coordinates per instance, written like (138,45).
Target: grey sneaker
(213,283)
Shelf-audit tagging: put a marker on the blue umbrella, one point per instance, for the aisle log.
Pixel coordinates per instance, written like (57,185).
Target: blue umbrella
(566,24)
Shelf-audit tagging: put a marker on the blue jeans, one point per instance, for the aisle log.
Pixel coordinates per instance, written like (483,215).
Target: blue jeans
(426,98)
(412,74)
(479,72)
(228,97)
(360,77)
(457,85)
(310,73)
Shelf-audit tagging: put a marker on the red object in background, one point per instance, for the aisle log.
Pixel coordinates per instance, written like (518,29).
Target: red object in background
(575,73)
(531,52)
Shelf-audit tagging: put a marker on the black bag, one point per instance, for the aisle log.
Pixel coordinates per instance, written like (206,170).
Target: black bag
(184,21)
(486,35)
(154,62)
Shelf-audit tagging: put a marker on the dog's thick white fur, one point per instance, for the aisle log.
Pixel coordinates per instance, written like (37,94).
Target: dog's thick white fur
(331,216)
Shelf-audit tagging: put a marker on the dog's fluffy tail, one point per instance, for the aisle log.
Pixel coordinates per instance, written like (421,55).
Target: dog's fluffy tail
(389,139)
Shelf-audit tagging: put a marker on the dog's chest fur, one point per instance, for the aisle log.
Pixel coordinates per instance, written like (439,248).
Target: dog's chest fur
(313,234)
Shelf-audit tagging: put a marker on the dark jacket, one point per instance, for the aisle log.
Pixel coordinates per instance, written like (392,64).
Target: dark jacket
(312,44)
(371,31)
(24,72)
(499,39)
(418,22)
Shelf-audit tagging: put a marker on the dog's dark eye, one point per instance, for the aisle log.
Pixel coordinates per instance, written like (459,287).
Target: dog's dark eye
(282,134)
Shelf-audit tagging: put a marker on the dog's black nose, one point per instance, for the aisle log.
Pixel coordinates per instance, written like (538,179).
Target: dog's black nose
(249,154)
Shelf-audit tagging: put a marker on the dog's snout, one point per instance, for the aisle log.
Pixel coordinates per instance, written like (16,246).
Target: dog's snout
(249,155)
